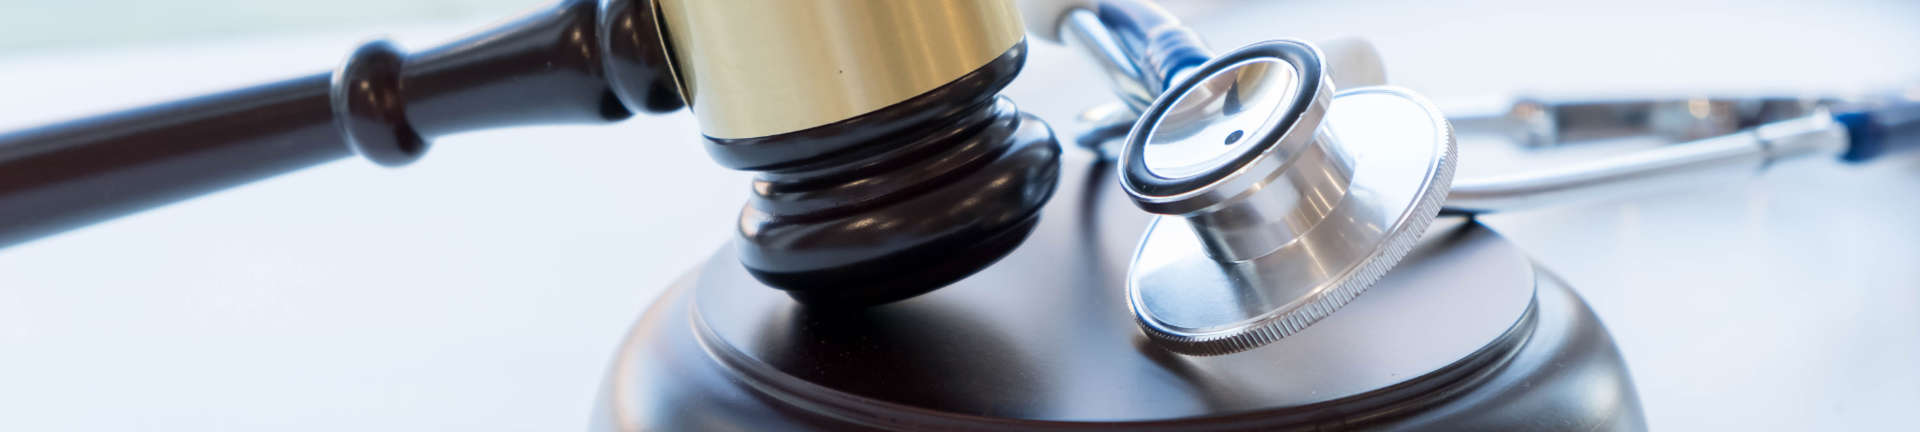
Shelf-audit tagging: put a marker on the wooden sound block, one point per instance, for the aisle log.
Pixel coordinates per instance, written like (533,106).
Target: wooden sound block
(1466,333)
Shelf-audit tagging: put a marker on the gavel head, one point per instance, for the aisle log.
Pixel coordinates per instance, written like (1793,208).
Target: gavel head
(888,165)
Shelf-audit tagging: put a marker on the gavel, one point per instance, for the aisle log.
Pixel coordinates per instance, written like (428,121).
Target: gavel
(887,164)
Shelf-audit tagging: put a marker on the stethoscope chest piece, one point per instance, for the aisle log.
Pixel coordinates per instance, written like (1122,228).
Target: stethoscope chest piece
(1280,201)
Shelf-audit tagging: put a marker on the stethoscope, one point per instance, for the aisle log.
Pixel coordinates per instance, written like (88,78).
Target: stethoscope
(1282,192)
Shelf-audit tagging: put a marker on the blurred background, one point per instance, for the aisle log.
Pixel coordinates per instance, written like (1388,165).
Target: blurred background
(485,287)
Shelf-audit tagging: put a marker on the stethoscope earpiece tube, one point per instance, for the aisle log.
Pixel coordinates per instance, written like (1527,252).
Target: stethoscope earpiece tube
(1141,48)
(1154,39)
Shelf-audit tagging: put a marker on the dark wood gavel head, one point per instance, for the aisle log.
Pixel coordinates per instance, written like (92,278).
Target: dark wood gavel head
(888,164)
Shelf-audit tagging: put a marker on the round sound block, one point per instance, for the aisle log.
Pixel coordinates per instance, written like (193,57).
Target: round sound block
(1465,332)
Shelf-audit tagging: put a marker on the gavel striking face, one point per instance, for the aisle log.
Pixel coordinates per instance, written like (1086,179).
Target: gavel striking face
(887,163)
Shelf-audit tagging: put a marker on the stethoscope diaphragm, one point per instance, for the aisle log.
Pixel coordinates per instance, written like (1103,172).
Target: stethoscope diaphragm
(1280,200)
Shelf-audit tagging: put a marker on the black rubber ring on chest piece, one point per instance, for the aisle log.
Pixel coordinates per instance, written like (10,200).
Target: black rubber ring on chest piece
(1308,67)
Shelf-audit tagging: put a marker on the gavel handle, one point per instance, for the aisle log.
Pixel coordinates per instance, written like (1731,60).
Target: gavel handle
(581,61)
(83,171)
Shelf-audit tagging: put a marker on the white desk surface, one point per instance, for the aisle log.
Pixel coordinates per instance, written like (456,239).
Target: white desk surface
(485,287)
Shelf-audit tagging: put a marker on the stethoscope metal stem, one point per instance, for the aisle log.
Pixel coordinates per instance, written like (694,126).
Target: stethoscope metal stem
(1141,48)
(1720,159)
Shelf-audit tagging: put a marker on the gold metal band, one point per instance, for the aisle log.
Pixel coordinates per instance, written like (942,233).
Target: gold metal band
(753,68)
